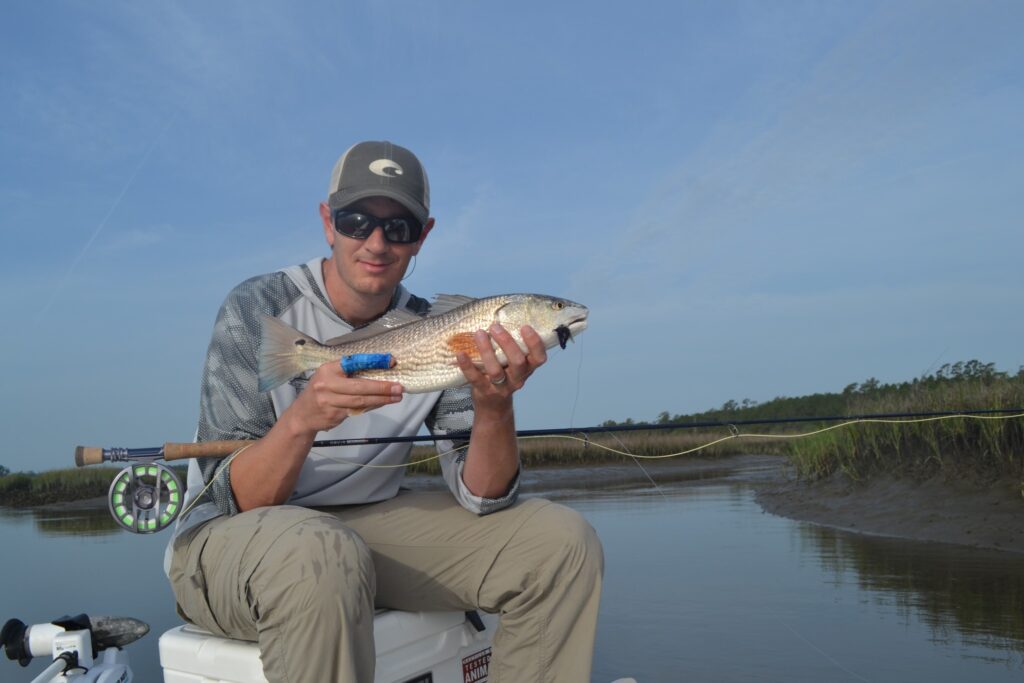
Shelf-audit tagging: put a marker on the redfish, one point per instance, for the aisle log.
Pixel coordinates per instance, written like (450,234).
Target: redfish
(422,348)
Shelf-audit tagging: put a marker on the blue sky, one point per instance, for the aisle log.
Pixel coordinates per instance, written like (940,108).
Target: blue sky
(755,199)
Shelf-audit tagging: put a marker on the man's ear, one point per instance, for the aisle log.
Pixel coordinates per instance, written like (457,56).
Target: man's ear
(325,216)
(427,227)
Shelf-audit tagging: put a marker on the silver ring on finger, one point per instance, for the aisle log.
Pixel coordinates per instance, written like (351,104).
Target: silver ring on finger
(500,381)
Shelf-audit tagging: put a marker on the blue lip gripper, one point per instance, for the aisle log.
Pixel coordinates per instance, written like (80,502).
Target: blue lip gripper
(365,361)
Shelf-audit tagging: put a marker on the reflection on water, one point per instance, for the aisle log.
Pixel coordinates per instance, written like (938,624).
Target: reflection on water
(972,594)
(60,522)
(700,585)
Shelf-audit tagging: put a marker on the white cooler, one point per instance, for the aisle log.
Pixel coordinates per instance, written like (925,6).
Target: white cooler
(412,647)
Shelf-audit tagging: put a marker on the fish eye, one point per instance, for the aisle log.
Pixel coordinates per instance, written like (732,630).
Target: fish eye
(558,305)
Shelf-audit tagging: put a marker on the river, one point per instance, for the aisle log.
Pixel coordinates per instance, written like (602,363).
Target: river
(700,585)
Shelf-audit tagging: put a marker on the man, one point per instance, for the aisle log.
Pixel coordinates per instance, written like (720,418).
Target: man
(294,547)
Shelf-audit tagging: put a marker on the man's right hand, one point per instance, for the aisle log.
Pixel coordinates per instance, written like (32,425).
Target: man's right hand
(331,396)
(265,474)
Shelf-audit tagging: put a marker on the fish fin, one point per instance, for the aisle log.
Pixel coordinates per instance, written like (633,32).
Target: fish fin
(463,342)
(388,321)
(443,303)
(280,359)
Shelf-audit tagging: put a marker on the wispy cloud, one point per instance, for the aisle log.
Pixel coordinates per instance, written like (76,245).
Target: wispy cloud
(63,281)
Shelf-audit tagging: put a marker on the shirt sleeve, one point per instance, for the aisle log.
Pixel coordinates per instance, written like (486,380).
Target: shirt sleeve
(453,414)
(231,406)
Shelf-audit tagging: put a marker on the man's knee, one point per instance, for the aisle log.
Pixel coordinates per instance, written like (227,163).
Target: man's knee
(567,537)
(313,563)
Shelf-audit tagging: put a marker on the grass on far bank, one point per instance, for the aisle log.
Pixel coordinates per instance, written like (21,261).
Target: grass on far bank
(956,447)
(564,451)
(24,489)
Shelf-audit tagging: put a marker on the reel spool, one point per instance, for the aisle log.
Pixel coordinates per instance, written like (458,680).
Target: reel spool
(145,498)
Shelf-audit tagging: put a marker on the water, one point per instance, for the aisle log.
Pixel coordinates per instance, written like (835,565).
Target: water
(700,586)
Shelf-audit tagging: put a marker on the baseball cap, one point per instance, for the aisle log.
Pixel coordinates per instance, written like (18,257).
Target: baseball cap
(380,169)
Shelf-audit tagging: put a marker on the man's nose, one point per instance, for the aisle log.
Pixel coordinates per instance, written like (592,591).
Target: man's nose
(376,241)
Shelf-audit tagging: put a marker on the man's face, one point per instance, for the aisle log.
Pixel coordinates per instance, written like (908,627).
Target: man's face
(374,266)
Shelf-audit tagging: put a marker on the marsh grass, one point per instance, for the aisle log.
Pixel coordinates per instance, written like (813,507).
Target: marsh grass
(23,489)
(553,451)
(27,488)
(956,447)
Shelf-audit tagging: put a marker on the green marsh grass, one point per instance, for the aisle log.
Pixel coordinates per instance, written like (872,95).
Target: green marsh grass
(959,446)
(24,489)
(557,451)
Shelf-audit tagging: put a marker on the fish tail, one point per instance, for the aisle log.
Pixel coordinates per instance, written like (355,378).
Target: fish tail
(281,356)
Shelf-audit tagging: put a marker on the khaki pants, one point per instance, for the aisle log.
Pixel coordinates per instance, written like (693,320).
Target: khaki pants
(303,582)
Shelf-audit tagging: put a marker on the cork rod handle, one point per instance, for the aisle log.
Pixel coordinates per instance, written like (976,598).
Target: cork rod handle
(88,455)
(206,449)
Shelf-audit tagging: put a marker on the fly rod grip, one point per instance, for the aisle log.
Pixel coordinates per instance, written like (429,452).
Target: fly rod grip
(88,455)
(206,449)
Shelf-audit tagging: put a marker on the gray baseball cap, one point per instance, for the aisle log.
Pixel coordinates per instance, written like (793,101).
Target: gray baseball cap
(380,169)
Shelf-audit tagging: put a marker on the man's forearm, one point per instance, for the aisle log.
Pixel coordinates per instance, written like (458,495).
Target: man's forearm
(492,459)
(265,473)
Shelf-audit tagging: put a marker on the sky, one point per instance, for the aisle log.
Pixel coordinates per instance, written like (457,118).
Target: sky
(754,199)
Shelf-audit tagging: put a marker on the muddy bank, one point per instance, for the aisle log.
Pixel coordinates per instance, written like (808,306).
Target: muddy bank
(982,515)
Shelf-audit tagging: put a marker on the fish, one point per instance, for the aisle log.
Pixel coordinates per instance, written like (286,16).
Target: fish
(423,348)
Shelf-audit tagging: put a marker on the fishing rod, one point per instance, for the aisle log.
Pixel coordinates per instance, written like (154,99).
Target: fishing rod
(86,455)
(147,496)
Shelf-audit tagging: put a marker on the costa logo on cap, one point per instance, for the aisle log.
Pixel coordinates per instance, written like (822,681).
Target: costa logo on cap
(380,169)
(386,168)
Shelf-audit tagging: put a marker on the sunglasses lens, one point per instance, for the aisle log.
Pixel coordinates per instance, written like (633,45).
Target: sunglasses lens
(356,225)
(360,226)
(401,230)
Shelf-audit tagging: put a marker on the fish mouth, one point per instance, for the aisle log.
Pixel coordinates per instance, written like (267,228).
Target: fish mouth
(565,332)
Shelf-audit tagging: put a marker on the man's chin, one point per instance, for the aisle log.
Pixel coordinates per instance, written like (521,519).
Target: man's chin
(373,286)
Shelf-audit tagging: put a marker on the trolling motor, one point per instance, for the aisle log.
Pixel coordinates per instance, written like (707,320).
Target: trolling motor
(84,649)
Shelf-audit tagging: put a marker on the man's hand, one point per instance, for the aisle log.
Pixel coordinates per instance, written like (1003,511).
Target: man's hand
(494,385)
(493,456)
(331,396)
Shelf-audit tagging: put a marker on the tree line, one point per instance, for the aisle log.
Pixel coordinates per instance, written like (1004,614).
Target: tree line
(840,402)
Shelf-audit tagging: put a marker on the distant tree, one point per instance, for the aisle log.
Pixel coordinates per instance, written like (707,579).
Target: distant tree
(664,417)
(869,385)
(4,471)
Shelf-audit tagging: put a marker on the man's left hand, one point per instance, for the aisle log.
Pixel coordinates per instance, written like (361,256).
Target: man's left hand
(493,385)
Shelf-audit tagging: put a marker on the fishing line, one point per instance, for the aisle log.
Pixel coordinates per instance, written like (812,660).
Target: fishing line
(576,398)
(751,435)
(649,477)
(150,454)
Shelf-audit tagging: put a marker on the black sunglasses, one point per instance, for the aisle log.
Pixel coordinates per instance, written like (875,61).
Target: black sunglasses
(360,226)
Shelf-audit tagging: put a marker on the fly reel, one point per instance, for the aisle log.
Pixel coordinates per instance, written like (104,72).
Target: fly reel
(145,498)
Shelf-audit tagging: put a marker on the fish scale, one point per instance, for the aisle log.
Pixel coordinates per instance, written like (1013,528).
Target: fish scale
(423,348)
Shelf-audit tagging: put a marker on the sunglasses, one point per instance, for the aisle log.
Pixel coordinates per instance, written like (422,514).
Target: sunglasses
(360,226)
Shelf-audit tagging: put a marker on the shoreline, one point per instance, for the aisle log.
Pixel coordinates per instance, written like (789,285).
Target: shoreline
(981,515)
(935,510)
